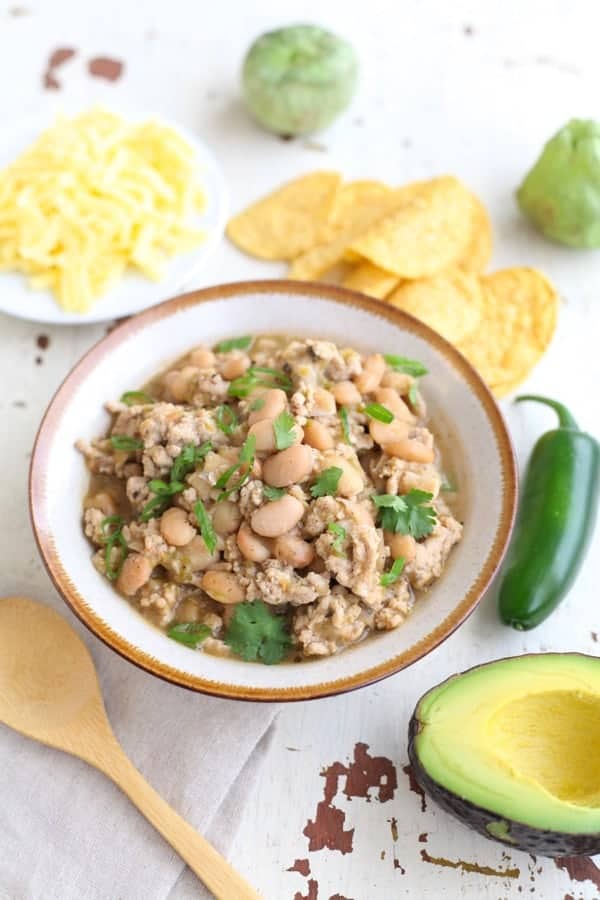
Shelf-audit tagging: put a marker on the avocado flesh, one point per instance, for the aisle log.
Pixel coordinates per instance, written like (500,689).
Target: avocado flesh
(520,738)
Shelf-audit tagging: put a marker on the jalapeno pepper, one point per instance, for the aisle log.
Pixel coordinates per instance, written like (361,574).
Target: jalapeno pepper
(555,521)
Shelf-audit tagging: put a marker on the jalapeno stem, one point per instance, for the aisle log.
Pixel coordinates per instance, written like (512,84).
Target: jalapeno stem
(565,419)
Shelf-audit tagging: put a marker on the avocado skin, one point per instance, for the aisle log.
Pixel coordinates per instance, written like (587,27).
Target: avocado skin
(538,841)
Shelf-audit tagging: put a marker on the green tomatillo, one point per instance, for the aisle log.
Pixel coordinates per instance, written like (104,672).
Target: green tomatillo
(298,79)
(561,193)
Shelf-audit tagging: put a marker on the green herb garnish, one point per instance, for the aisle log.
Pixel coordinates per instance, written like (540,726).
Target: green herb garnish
(206,526)
(413,395)
(340,536)
(130,398)
(113,538)
(226,419)
(407,513)
(343,414)
(183,465)
(403,364)
(125,442)
(259,376)
(394,574)
(327,482)
(283,428)
(273,493)
(241,343)
(255,633)
(189,633)
(188,459)
(257,404)
(379,412)
(245,462)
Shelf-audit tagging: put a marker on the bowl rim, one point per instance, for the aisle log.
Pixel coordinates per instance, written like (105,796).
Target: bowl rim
(236,290)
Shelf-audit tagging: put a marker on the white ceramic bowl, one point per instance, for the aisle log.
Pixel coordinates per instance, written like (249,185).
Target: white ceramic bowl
(459,403)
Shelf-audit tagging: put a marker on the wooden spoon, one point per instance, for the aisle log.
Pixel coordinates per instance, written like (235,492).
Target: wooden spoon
(49,691)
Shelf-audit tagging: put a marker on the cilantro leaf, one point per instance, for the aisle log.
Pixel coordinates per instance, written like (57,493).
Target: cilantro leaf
(327,482)
(273,493)
(343,414)
(394,574)
(403,364)
(283,428)
(189,633)
(340,536)
(407,513)
(240,343)
(255,633)
(206,526)
(379,412)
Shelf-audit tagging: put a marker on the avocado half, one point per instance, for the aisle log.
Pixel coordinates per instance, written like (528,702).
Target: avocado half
(512,749)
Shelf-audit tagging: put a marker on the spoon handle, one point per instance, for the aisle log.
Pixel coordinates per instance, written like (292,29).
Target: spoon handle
(210,867)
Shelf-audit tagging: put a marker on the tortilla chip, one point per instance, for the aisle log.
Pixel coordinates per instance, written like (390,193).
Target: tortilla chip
(519,318)
(368,279)
(359,219)
(352,196)
(451,303)
(289,221)
(477,256)
(425,234)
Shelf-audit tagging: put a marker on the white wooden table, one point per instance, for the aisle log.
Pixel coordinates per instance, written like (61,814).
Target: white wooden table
(468,88)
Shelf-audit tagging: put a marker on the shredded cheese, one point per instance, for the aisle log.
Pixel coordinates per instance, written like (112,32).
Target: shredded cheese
(93,196)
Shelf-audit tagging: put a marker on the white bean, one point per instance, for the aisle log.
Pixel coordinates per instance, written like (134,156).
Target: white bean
(289,466)
(202,357)
(235,365)
(102,501)
(292,549)
(226,517)
(351,480)
(323,403)
(175,528)
(177,382)
(346,393)
(274,519)
(136,571)
(387,434)
(371,375)
(274,401)
(410,450)
(390,398)
(252,546)
(197,554)
(400,381)
(223,587)
(401,545)
(318,436)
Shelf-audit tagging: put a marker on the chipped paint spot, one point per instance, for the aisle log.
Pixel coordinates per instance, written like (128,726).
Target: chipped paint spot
(394,828)
(17,12)
(382,854)
(398,866)
(56,59)
(423,838)
(339,897)
(313,892)
(414,785)
(469,866)
(580,868)
(300,865)
(106,67)
(594,635)
(38,360)
(364,773)
(42,341)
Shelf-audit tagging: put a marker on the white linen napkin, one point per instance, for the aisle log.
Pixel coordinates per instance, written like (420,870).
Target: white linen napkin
(68,833)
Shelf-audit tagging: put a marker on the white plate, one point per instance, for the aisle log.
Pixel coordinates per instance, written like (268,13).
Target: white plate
(133,292)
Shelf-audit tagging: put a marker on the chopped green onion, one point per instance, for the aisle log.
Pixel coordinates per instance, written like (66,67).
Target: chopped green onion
(403,364)
(394,574)
(327,482)
(130,398)
(241,343)
(189,633)
(340,536)
(112,539)
(155,507)
(259,376)
(413,394)
(206,527)
(125,442)
(379,412)
(188,459)
(226,419)
(257,404)
(284,431)
(157,486)
(343,414)
(246,461)
(273,493)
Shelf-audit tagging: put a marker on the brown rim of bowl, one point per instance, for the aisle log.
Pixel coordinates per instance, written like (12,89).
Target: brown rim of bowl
(102,630)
